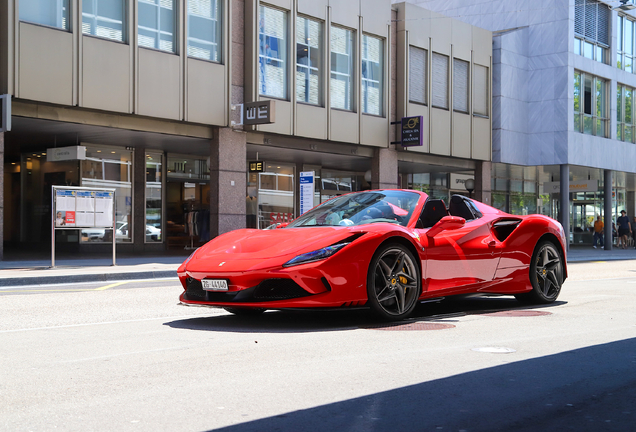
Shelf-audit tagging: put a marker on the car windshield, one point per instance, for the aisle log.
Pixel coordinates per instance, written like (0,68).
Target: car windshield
(361,208)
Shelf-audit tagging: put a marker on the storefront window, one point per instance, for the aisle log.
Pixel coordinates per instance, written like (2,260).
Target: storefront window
(110,167)
(187,202)
(153,197)
(275,195)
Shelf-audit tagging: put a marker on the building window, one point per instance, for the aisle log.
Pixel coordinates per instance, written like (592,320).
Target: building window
(590,101)
(417,75)
(308,60)
(591,30)
(440,81)
(104,19)
(341,83)
(154,162)
(272,55)
(460,85)
(480,90)
(204,29)
(625,49)
(372,76)
(46,12)
(157,24)
(624,113)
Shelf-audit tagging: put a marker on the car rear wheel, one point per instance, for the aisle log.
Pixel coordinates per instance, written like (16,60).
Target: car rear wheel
(245,311)
(393,282)
(546,274)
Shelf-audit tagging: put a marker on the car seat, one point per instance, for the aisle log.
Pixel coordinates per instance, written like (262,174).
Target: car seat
(433,211)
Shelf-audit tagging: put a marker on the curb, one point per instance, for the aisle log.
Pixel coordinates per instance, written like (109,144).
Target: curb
(105,277)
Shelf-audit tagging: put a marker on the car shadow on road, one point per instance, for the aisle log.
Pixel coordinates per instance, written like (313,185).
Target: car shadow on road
(587,389)
(348,319)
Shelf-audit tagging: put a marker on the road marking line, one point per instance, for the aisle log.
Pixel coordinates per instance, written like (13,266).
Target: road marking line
(110,286)
(212,312)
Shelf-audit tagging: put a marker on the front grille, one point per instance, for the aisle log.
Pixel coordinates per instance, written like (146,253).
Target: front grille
(194,290)
(278,289)
(268,290)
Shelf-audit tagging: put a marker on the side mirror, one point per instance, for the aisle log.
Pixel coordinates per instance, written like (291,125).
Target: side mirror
(283,225)
(446,223)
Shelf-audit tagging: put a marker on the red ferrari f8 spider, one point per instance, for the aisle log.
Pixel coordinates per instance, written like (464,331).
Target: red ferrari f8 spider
(383,249)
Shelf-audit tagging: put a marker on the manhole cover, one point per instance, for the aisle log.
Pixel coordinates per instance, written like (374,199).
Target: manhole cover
(410,326)
(517,313)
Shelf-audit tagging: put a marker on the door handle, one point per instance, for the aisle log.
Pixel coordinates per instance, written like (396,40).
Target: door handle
(492,244)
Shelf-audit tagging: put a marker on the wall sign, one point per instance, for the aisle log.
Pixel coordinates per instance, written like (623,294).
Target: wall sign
(256,166)
(260,112)
(411,131)
(66,153)
(575,186)
(306,191)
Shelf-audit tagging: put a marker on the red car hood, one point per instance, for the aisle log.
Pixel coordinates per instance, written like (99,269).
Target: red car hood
(251,244)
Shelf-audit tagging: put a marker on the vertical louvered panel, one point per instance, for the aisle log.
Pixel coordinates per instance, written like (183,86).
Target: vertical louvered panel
(590,20)
(603,24)
(579,17)
(460,85)
(440,81)
(417,75)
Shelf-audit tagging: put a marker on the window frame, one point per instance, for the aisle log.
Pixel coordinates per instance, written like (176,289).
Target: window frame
(455,87)
(69,16)
(351,94)
(621,113)
(425,78)
(593,118)
(319,69)
(621,51)
(367,81)
(600,51)
(219,33)
(95,17)
(447,83)
(486,91)
(284,60)
(158,30)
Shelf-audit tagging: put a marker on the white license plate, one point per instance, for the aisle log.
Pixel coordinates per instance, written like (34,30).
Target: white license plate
(214,284)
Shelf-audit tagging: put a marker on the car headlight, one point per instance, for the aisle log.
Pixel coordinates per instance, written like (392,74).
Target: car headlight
(316,255)
(190,257)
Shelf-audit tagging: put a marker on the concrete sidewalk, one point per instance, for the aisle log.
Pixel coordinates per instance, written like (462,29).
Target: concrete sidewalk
(38,272)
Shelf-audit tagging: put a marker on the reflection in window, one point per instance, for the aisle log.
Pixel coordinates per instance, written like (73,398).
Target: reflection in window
(111,167)
(624,113)
(204,29)
(308,60)
(157,24)
(372,76)
(590,105)
(104,18)
(272,55)
(275,195)
(153,197)
(45,12)
(341,82)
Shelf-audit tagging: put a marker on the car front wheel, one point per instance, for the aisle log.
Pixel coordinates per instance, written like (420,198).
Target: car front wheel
(546,274)
(393,282)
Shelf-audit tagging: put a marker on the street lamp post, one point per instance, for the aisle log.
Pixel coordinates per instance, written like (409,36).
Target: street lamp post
(470,187)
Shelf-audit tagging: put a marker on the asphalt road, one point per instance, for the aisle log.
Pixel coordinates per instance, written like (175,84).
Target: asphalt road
(126,357)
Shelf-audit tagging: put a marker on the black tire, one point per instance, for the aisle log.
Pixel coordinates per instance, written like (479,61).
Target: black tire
(546,274)
(394,283)
(245,311)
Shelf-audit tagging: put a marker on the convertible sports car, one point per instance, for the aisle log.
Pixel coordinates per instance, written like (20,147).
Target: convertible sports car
(383,249)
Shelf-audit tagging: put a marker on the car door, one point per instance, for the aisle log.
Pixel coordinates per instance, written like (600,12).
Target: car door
(459,257)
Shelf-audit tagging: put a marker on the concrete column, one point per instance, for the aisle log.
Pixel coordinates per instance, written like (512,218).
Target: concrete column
(607,205)
(483,175)
(139,199)
(564,217)
(384,169)
(1,195)
(228,181)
